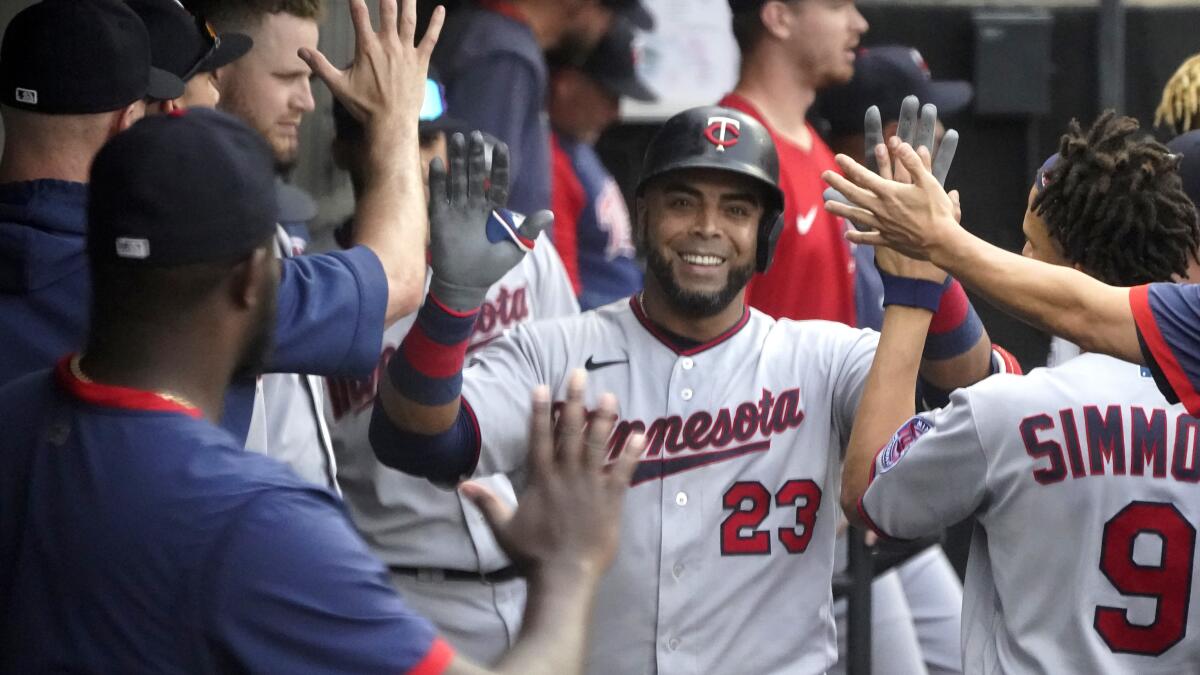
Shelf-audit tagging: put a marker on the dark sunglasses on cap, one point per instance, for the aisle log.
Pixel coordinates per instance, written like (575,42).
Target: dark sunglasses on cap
(214,42)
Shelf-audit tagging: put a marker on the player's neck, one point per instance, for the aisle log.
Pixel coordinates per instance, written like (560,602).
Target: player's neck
(780,93)
(187,366)
(660,311)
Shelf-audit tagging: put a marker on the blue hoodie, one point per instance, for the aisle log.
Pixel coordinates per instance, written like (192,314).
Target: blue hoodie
(45,292)
(329,319)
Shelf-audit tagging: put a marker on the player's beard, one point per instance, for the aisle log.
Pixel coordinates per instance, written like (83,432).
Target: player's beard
(696,304)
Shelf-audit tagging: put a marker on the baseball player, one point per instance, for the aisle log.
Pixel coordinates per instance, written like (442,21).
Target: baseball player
(440,552)
(790,50)
(926,602)
(1152,323)
(137,536)
(729,526)
(1088,453)
(188,47)
(591,221)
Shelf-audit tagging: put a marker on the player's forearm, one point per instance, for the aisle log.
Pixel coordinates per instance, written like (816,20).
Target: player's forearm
(554,631)
(962,370)
(1059,300)
(411,416)
(422,387)
(888,398)
(391,216)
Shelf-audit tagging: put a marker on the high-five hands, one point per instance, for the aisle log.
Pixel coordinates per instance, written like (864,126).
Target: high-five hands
(465,205)
(912,218)
(385,86)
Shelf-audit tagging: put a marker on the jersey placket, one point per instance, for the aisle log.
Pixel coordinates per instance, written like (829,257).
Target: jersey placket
(682,501)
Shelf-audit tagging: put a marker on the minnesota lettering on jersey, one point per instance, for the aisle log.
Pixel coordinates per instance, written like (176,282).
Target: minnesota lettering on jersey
(1118,440)
(505,309)
(675,444)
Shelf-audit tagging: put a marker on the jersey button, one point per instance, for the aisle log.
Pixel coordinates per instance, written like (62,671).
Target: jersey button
(677,571)
(673,644)
(686,394)
(687,363)
(681,498)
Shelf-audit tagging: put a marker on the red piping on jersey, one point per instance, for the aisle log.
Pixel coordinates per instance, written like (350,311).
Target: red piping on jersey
(636,304)
(505,8)
(111,396)
(1143,317)
(862,513)
(436,660)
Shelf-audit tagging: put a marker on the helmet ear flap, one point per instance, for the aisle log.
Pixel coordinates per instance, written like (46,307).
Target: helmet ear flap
(769,230)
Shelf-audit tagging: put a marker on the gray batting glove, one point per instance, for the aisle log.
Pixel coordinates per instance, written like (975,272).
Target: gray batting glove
(474,241)
(914,130)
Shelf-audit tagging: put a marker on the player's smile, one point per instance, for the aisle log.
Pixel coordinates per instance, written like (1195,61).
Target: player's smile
(701,266)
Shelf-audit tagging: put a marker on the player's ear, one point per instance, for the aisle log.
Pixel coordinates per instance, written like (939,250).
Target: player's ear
(776,19)
(125,117)
(251,275)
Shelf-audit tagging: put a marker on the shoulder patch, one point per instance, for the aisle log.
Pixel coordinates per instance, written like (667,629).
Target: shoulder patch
(893,452)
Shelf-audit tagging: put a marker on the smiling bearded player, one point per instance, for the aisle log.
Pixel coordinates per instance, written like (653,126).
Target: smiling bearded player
(729,524)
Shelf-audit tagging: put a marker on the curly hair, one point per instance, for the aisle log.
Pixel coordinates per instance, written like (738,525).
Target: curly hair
(1116,205)
(1179,109)
(242,15)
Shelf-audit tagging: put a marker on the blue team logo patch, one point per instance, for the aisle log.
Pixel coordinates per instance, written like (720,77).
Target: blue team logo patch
(894,451)
(504,224)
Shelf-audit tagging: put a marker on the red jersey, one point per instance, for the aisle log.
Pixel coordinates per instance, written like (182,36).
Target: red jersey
(812,275)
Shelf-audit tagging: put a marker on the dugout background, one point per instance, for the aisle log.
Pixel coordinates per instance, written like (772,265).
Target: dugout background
(997,154)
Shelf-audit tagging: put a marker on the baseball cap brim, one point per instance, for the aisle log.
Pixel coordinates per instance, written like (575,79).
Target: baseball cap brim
(630,87)
(164,86)
(950,96)
(233,47)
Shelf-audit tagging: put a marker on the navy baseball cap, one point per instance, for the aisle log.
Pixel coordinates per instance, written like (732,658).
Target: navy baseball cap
(1188,145)
(79,57)
(183,44)
(195,185)
(613,61)
(884,76)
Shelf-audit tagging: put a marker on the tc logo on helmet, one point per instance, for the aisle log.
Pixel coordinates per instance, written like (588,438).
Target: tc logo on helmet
(722,132)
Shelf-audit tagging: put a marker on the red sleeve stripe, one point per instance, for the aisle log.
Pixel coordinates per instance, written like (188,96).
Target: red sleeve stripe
(866,518)
(436,660)
(952,310)
(432,358)
(1143,317)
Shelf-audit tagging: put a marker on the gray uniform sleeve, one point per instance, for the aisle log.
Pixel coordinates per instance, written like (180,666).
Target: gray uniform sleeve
(497,384)
(849,376)
(932,473)
(556,296)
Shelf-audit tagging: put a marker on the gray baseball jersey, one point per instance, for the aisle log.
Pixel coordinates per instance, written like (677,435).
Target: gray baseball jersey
(726,553)
(1083,480)
(407,520)
(288,419)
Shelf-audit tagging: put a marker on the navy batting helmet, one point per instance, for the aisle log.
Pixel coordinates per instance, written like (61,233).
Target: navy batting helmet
(712,137)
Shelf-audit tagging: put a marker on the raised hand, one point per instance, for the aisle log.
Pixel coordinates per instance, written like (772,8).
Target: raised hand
(385,85)
(473,240)
(917,126)
(570,514)
(910,218)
